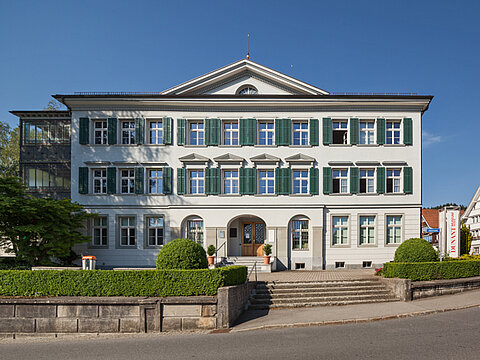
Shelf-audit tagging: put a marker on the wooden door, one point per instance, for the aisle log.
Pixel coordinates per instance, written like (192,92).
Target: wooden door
(253,237)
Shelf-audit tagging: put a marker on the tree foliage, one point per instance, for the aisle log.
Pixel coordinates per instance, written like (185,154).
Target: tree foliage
(9,150)
(465,239)
(53,105)
(462,207)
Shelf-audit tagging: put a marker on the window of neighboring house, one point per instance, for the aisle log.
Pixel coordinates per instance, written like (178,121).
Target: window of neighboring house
(155,231)
(393,180)
(127,181)
(128,132)
(44,176)
(300,234)
(367,132)
(155,181)
(339,132)
(394,229)
(300,181)
(230,132)
(100,132)
(230,182)
(267,182)
(196,133)
(266,132)
(340,181)
(155,132)
(367,181)
(393,132)
(300,133)
(339,230)
(127,231)
(197,182)
(99,231)
(99,181)
(367,230)
(195,231)
(46,133)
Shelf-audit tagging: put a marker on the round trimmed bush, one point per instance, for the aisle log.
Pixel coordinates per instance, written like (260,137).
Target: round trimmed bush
(183,254)
(415,250)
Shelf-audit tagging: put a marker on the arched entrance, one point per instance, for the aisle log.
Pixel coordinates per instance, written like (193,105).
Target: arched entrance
(246,236)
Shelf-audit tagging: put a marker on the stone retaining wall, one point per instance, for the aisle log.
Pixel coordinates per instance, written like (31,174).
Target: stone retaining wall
(422,289)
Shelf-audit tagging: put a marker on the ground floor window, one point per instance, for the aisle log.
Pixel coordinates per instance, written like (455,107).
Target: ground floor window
(195,231)
(155,231)
(300,234)
(127,231)
(99,231)
(340,230)
(367,230)
(394,229)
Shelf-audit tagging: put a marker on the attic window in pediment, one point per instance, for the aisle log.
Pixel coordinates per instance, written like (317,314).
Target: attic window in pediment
(247,90)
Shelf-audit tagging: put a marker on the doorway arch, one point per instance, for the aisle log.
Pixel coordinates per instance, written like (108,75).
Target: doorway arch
(246,235)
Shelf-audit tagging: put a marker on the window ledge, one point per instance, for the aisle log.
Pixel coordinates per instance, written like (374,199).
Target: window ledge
(340,246)
(229,195)
(300,146)
(126,247)
(146,247)
(395,194)
(340,145)
(367,245)
(197,146)
(266,195)
(368,145)
(265,146)
(301,250)
(160,145)
(229,146)
(340,194)
(367,194)
(301,195)
(392,245)
(395,145)
(195,195)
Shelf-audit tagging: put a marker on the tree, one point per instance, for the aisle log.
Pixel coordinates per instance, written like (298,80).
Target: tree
(39,230)
(52,105)
(462,207)
(465,239)
(9,150)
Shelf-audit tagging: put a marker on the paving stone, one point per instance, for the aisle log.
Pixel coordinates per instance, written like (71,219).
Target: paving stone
(77,311)
(97,325)
(35,311)
(57,325)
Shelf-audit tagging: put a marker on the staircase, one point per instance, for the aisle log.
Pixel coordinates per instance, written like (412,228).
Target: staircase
(278,295)
(249,262)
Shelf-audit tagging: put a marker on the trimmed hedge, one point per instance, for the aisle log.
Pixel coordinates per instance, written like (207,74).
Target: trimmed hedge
(154,283)
(432,270)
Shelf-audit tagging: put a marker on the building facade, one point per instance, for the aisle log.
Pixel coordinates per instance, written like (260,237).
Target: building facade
(471,218)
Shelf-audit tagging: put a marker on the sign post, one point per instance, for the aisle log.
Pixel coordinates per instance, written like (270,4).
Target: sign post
(449,242)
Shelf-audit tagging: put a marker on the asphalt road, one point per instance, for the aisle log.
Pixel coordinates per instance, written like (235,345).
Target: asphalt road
(450,335)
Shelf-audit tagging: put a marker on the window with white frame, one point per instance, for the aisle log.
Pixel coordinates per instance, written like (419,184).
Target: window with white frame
(128,132)
(155,230)
(127,231)
(99,231)
(155,132)
(230,182)
(300,133)
(393,181)
(300,181)
(197,182)
(367,230)
(127,181)
(100,132)
(266,181)
(230,132)
(299,230)
(340,181)
(339,230)
(339,132)
(367,181)
(393,131)
(367,132)
(195,230)
(266,133)
(196,133)
(155,181)
(394,229)
(99,181)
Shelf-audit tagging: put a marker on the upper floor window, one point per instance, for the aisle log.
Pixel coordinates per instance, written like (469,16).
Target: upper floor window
(197,182)
(339,131)
(100,132)
(230,132)
(127,181)
(155,132)
(230,181)
(46,176)
(196,133)
(300,181)
(393,131)
(99,181)
(267,182)
(155,181)
(300,133)
(393,180)
(367,132)
(367,181)
(247,90)
(46,133)
(128,132)
(266,132)
(340,181)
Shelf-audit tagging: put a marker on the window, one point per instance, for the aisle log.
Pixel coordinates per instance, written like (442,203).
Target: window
(267,182)
(230,181)
(155,231)
(367,181)
(394,229)
(127,181)
(300,133)
(367,132)
(46,133)
(393,180)
(127,231)
(266,133)
(300,234)
(340,131)
(300,181)
(46,176)
(196,133)
(155,132)
(99,231)
(155,181)
(128,132)
(367,230)
(195,231)
(197,182)
(99,181)
(340,230)
(340,181)
(247,90)
(393,132)
(100,132)
(230,133)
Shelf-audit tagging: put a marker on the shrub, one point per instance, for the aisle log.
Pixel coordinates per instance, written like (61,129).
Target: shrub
(182,254)
(415,250)
(211,250)
(424,271)
(267,249)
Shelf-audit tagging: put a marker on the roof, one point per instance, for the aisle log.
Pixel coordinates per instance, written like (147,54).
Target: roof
(472,203)
(431,217)
(41,113)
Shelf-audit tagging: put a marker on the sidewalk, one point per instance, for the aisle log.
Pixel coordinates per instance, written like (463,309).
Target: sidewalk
(315,316)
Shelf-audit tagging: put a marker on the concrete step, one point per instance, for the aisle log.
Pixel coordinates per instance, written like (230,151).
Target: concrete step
(318,303)
(314,298)
(322,284)
(266,290)
(345,294)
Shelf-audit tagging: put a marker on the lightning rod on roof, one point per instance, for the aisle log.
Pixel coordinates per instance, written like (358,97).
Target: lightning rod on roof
(248,46)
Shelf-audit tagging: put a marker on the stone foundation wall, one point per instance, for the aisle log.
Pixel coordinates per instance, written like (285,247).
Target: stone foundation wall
(422,289)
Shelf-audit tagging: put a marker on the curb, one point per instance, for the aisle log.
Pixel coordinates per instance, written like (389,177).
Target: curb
(355,321)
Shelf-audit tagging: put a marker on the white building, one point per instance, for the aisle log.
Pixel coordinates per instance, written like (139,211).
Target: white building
(471,217)
(245,155)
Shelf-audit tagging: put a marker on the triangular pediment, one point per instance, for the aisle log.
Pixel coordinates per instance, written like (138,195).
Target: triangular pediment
(300,158)
(194,158)
(265,158)
(228,158)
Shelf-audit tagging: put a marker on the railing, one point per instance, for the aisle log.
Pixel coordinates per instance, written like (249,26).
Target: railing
(254,267)
(224,250)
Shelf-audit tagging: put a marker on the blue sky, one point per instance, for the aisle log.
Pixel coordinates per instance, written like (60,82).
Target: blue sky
(427,47)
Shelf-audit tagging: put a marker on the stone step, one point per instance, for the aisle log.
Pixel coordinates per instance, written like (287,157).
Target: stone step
(301,299)
(265,290)
(317,286)
(318,303)
(345,294)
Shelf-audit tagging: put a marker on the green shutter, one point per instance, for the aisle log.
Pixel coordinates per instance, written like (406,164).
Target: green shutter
(167,123)
(139,131)
(327,180)
(111,180)
(181,181)
(354,131)
(380,131)
(212,132)
(181,131)
(314,132)
(167,173)
(354,181)
(83,180)
(212,181)
(112,131)
(242,181)
(408,180)
(248,181)
(283,132)
(314,181)
(248,132)
(282,181)
(327,131)
(252,181)
(380,180)
(139,180)
(83,133)
(407,131)
(278,180)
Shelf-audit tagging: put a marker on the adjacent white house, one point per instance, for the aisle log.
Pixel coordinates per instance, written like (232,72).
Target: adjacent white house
(246,155)
(471,217)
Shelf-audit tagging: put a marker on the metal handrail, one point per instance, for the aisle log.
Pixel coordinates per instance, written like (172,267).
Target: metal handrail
(254,267)
(224,250)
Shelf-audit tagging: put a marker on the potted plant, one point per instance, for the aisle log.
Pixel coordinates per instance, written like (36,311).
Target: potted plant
(211,254)
(267,251)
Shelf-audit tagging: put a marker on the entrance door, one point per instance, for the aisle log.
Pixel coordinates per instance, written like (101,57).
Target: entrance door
(253,237)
